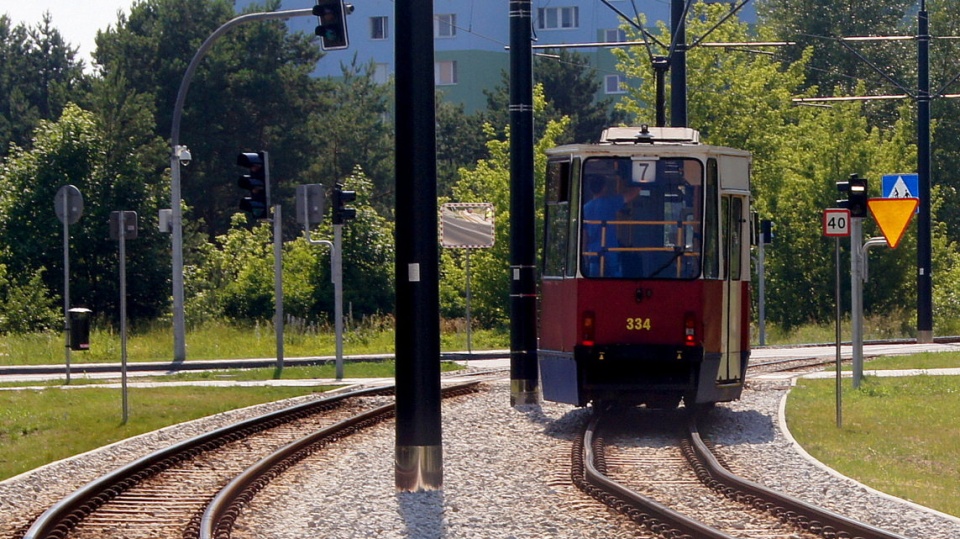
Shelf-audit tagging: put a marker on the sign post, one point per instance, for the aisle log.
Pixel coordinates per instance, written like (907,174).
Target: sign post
(123,226)
(68,206)
(836,224)
(468,226)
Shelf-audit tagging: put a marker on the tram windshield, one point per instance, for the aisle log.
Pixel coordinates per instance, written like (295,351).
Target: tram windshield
(641,218)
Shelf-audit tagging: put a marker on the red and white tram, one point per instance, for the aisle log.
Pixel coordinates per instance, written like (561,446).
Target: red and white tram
(646,270)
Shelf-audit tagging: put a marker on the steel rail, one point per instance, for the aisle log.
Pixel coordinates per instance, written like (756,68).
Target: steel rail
(57,521)
(656,517)
(809,517)
(221,513)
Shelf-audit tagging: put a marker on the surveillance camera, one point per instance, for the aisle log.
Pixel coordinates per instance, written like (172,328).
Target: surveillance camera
(183,154)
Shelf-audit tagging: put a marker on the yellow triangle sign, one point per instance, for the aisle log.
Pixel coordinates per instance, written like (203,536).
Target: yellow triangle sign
(893,215)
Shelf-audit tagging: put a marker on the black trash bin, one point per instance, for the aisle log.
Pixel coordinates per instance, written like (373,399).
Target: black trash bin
(79,328)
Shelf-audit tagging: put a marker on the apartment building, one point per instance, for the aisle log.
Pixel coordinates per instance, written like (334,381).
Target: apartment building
(471,39)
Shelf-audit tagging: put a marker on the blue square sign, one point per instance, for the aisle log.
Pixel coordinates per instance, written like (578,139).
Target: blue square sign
(900,186)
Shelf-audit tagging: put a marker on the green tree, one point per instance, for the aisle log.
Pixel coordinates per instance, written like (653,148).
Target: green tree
(39,75)
(945,21)
(489,181)
(570,87)
(744,100)
(26,307)
(461,142)
(251,92)
(819,25)
(234,277)
(74,150)
(354,130)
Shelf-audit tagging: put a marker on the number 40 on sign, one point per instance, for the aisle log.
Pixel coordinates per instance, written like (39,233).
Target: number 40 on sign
(836,222)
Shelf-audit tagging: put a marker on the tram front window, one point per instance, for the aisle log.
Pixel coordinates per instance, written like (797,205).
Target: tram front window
(641,218)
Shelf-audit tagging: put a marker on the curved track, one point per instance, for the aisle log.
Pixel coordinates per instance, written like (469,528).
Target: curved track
(661,518)
(166,493)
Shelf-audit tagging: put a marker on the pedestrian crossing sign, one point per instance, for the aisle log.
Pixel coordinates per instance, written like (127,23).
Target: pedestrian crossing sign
(900,185)
(893,215)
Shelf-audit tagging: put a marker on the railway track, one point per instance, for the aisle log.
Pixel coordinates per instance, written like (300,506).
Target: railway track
(196,488)
(666,494)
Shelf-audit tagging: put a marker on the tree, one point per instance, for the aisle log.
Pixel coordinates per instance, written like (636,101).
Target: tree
(461,142)
(489,181)
(39,75)
(234,276)
(570,87)
(744,100)
(819,25)
(252,92)
(354,130)
(75,151)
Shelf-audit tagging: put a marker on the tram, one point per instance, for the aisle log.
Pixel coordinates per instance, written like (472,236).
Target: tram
(644,290)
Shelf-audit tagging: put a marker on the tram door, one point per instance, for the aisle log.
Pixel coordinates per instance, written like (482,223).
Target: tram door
(732,225)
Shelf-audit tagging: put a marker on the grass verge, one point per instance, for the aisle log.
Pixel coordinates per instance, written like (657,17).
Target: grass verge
(38,427)
(42,426)
(224,340)
(899,435)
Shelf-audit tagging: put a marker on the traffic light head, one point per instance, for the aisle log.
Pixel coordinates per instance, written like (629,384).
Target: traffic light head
(342,213)
(857,195)
(256,182)
(332,27)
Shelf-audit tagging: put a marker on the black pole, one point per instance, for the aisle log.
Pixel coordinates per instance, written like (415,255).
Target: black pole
(523,291)
(660,67)
(419,462)
(924,277)
(678,65)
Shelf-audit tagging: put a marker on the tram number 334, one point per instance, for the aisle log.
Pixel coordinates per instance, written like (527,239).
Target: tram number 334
(638,324)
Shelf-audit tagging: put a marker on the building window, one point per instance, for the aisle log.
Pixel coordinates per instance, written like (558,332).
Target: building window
(445,72)
(614,35)
(378,28)
(381,73)
(445,25)
(612,84)
(552,18)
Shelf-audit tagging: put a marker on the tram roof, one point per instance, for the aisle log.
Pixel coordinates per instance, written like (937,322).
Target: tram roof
(644,140)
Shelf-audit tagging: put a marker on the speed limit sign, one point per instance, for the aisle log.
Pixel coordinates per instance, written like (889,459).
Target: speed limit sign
(836,222)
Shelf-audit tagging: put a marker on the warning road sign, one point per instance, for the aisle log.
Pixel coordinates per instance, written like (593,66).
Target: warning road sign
(893,215)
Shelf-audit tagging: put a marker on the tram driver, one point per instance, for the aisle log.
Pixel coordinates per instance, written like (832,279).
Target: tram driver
(610,199)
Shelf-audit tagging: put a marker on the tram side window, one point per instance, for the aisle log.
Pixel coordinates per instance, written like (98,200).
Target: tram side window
(734,234)
(557,219)
(573,191)
(711,247)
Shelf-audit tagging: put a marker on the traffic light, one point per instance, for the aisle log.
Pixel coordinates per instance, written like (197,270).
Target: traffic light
(857,195)
(766,231)
(256,182)
(332,16)
(341,198)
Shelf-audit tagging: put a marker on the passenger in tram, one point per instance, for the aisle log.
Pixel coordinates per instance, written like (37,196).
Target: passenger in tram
(610,198)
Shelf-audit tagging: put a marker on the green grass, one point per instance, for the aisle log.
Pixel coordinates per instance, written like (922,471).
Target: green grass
(927,360)
(899,435)
(360,369)
(41,426)
(38,427)
(222,340)
(897,325)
